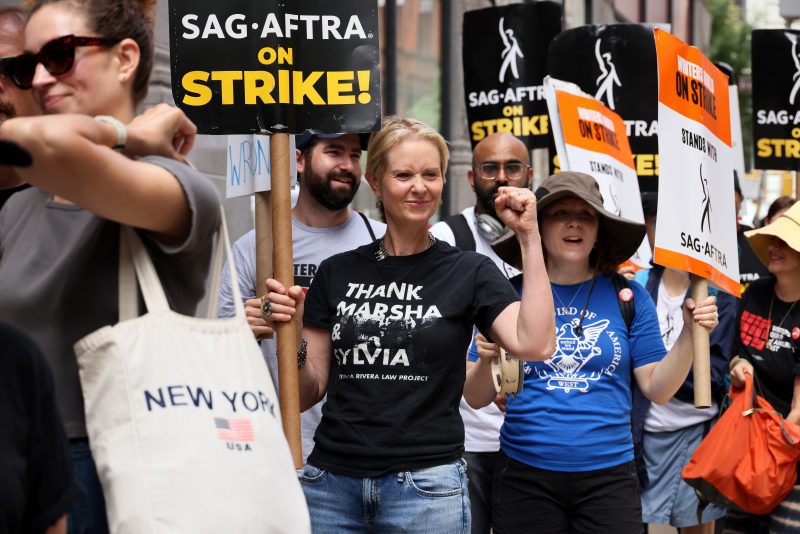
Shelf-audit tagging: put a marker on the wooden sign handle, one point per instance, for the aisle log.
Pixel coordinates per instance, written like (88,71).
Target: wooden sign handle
(282,259)
(702,359)
(263,229)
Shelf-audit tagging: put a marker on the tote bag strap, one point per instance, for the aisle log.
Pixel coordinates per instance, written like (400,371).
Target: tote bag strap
(126,288)
(133,252)
(135,266)
(224,245)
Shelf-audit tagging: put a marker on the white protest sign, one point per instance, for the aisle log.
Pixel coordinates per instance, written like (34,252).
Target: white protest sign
(736,132)
(248,167)
(696,228)
(590,138)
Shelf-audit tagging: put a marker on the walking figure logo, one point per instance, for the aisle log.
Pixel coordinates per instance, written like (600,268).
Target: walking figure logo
(608,79)
(796,75)
(510,52)
(613,201)
(706,202)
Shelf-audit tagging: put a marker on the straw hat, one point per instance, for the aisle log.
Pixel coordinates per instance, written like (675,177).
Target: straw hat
(785,227)
(622,237)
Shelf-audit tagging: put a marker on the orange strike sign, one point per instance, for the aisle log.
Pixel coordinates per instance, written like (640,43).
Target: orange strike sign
(588,124)
(696,226)
(595,142)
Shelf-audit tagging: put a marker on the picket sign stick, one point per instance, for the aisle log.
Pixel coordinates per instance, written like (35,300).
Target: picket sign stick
(282,260)
(797,181)
(263,242)
(702,358)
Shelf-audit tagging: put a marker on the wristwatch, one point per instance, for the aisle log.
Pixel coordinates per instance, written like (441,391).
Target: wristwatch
(122,131)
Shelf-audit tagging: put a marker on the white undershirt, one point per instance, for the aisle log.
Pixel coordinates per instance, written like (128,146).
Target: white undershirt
(675,414)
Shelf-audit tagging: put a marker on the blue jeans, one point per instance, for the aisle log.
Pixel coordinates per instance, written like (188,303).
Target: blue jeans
(87,516)
(480,469)
(425,501)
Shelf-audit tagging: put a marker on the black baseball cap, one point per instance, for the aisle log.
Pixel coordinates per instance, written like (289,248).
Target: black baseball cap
(301,141)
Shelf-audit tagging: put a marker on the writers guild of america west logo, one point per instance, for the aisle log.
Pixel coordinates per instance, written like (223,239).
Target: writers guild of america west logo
(510,53)
(796,60)
(706,217)
(573,352)
(608,76)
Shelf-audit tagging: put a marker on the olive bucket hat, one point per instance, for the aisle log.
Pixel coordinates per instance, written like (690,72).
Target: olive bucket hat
(622,236)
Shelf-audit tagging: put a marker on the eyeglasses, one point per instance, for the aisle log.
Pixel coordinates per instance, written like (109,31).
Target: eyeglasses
(57,56)
(513,170)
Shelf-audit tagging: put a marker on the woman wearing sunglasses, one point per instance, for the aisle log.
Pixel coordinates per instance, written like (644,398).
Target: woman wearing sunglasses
(88,64)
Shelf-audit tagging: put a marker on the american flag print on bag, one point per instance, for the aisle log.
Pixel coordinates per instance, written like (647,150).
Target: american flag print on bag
(234,429)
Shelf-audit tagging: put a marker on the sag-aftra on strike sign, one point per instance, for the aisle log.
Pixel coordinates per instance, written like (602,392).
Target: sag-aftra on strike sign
(696,227)
(276,67)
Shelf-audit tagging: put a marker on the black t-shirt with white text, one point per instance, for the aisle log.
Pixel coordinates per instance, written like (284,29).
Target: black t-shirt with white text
(400,329)
(770,341)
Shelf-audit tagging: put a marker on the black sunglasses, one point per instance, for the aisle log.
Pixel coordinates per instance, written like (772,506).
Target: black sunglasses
(57,56)
(6,65)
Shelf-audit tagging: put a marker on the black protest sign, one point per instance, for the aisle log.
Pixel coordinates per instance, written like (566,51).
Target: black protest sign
(616,64)
(505,58)
(272,66)
(776,99)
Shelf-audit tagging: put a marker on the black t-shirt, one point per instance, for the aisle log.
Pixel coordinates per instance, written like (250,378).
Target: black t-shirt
(399,330)
(36,483)
(750,267)
(770,342)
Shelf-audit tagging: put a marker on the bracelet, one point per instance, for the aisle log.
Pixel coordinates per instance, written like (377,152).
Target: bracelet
(302,353)
(122,131)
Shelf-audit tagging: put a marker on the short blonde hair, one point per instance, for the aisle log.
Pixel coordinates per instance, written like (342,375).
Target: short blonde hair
(394,130)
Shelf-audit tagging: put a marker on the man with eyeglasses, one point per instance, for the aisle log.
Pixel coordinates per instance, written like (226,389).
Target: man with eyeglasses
(14,102)
(498,160)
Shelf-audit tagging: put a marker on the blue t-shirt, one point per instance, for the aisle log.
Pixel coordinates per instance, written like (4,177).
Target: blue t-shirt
(574,411)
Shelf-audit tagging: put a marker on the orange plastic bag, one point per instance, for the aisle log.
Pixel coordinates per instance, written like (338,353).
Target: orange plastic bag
(748,461)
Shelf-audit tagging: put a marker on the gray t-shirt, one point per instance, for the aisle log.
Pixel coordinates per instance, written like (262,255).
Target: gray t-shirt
(310,247)
(59,273)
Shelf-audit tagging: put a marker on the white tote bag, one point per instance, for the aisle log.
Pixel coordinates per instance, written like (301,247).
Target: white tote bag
(182,416)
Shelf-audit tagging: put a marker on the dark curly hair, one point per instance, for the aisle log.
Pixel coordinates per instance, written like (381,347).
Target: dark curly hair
(119,19)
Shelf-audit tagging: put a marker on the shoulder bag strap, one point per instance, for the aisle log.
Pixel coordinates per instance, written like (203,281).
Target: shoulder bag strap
(224,245)
(627,309)
(128,302)
(463,235)
(135,266)
(368,225)
(146,276)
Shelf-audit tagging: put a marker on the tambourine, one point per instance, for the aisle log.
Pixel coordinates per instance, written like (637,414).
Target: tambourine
(507,373)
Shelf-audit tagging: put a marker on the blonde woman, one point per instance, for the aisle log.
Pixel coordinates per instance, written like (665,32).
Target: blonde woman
(385,330)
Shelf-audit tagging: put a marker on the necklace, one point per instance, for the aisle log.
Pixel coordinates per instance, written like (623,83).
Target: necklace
(770,345)
(381,254)
(571,300)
